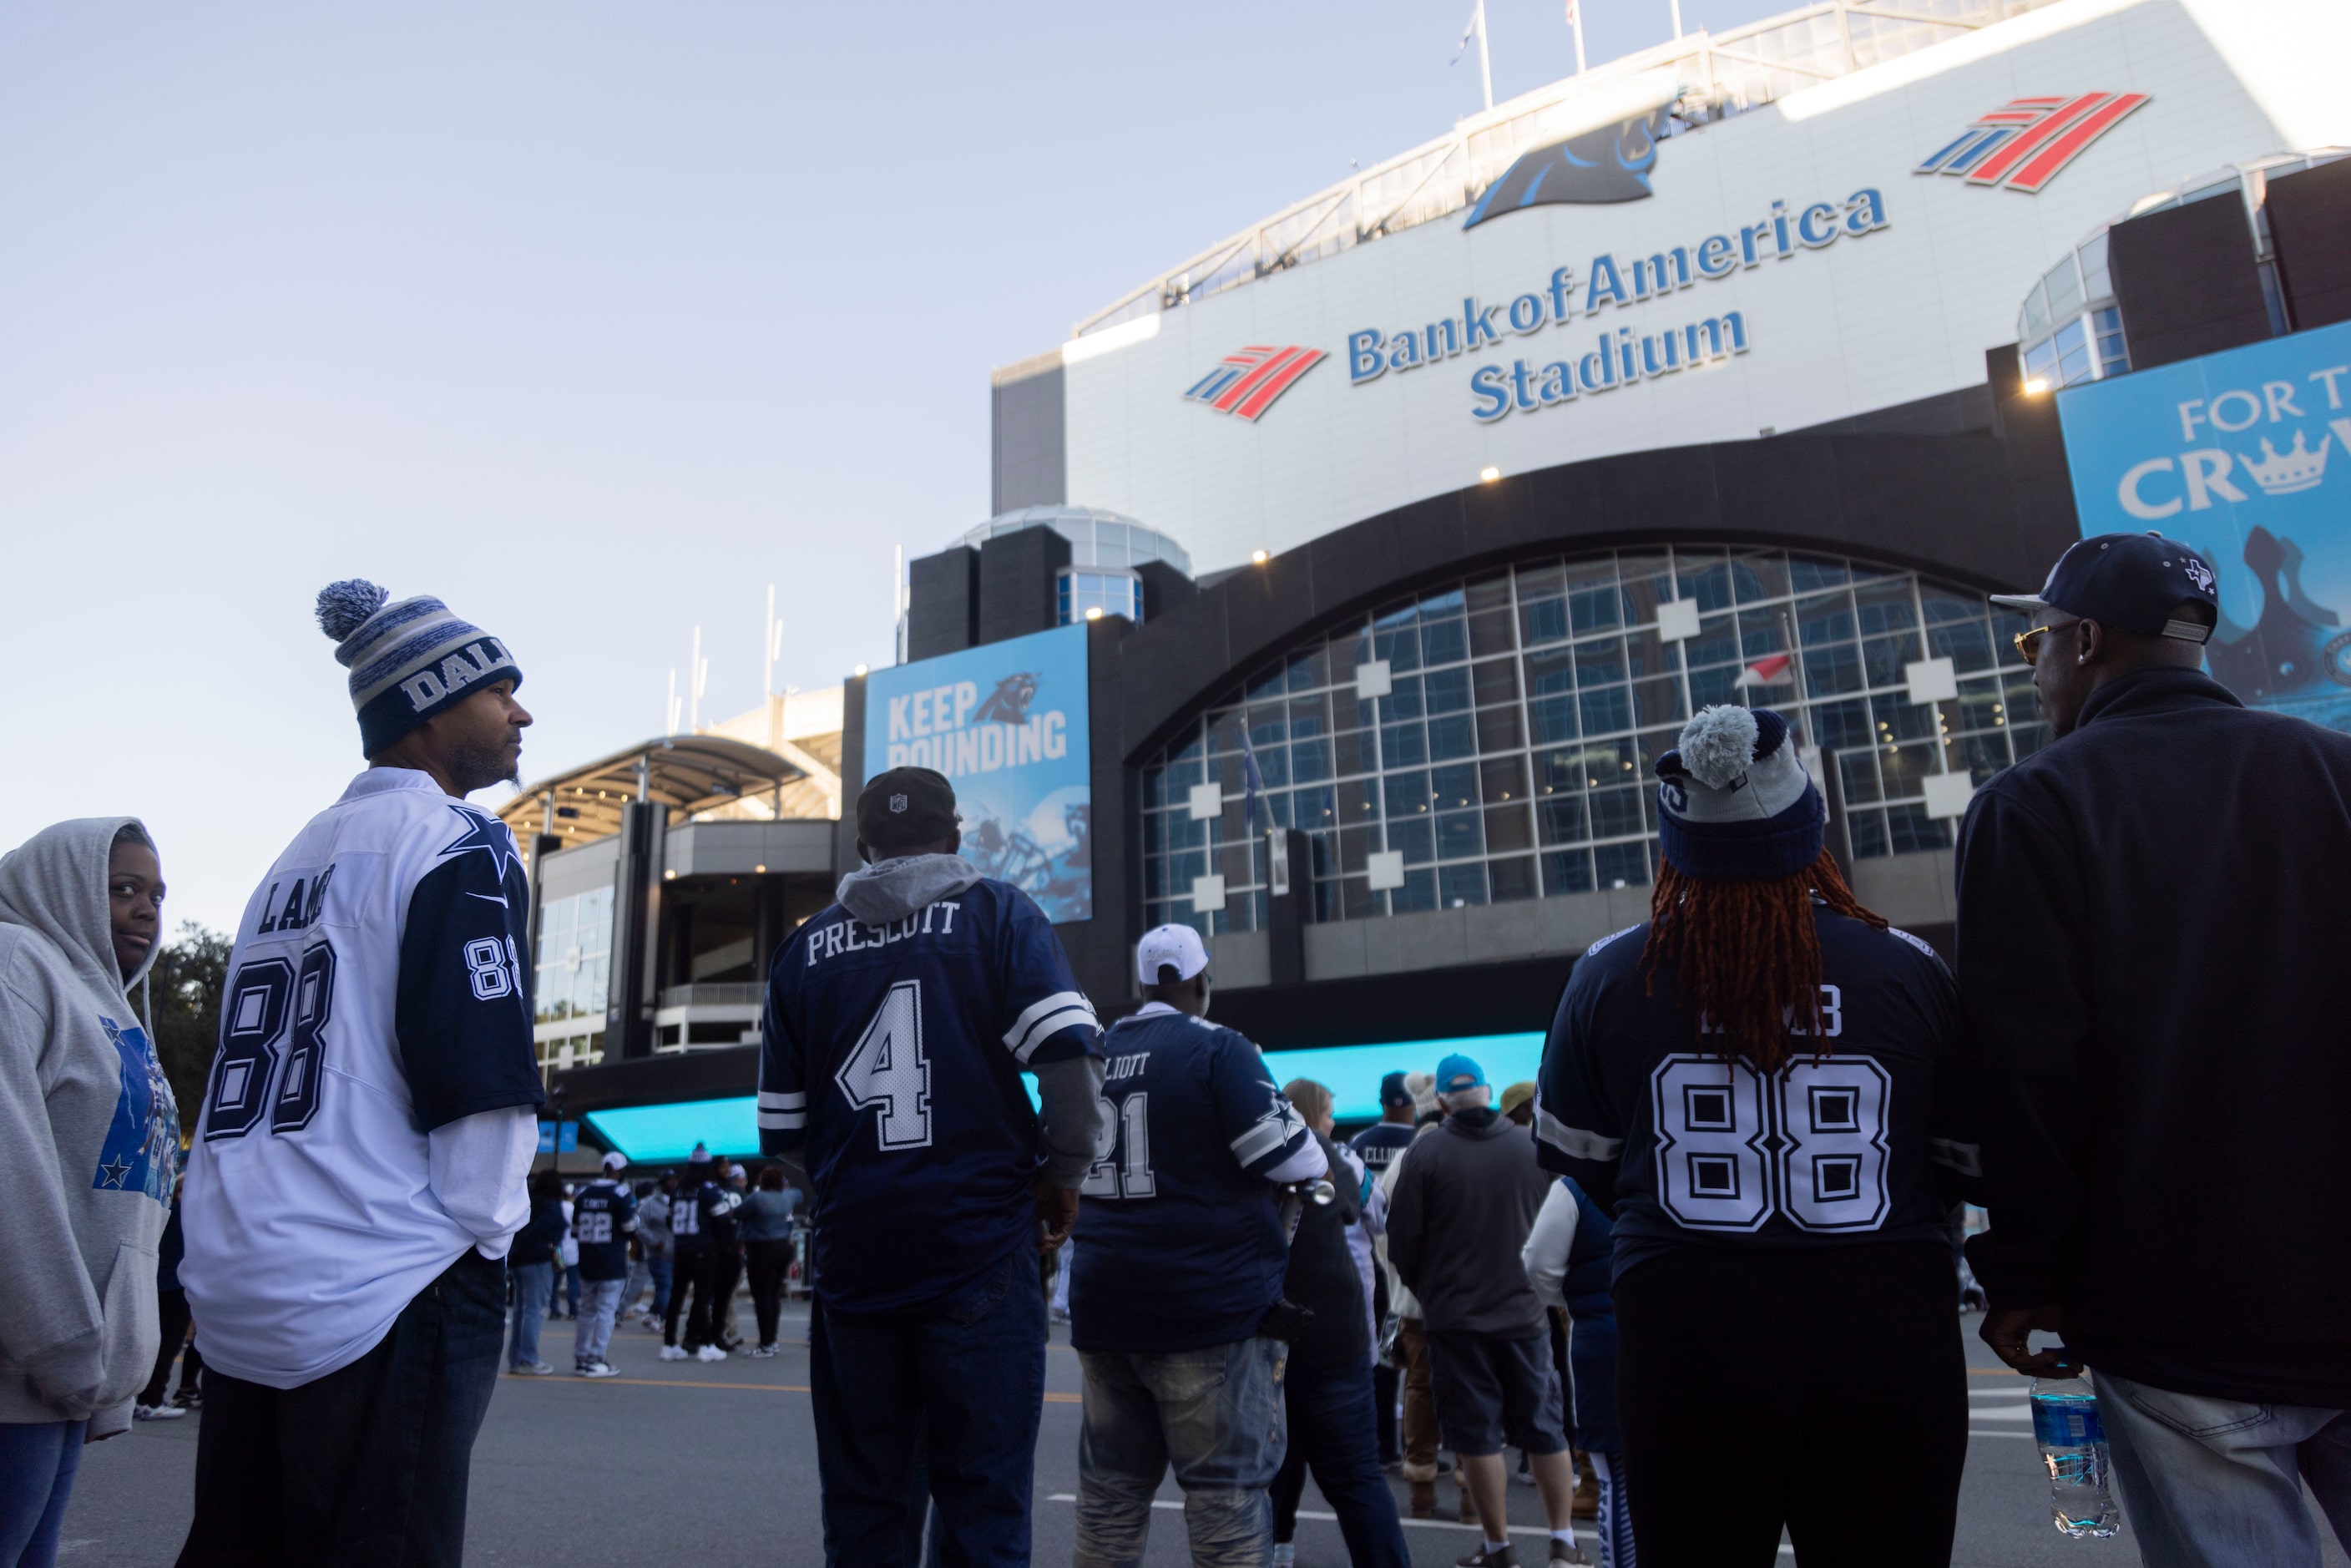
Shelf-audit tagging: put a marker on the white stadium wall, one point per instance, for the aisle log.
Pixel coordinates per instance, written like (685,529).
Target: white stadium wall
(1901,304)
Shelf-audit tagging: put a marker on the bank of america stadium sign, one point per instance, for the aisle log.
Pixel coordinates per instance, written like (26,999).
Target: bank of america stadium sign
(2026,141)
(1245,385)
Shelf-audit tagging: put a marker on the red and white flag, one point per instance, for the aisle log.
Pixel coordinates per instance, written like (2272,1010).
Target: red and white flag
(1768,672)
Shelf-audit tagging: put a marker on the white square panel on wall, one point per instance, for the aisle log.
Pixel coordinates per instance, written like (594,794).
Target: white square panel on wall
(1948,794)
(1678,619)
(1372,679)
(1208,894)
(1932,680)
(1387,870)
(1207,800)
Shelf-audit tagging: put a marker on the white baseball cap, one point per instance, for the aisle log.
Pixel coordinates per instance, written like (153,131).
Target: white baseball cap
(616,1160)
(1177,946)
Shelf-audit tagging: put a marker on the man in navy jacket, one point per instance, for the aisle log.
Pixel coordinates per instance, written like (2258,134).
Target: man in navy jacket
(2151,924)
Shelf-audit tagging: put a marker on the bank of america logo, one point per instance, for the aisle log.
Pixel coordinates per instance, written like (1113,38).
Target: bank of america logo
(1245,385)
(2023,145)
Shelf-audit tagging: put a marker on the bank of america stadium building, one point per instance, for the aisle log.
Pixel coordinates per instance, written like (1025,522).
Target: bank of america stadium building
(1347,577)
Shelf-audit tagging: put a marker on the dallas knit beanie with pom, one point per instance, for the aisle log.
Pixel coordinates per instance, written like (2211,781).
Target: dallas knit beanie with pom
(1734,803)
(409,659)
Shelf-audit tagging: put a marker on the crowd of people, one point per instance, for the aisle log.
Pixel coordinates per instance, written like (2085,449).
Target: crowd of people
(1709,1248)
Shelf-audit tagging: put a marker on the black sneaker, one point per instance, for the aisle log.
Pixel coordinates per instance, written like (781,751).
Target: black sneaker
(1508,1557)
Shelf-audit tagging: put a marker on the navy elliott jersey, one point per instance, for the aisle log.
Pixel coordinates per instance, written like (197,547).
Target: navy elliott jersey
(1827,1152)
(1179,1241)
(896,1053)
(702,1215)
(378,990)
(1378,1144)
(603,1218)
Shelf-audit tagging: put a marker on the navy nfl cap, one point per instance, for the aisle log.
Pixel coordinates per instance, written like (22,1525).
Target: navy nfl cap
(2131,582)
(1392,1090)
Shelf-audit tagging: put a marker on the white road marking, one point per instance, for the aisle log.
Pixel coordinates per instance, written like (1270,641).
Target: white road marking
(1785,1550)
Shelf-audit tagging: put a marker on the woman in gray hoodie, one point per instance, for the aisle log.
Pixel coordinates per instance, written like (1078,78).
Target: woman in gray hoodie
(88,1135)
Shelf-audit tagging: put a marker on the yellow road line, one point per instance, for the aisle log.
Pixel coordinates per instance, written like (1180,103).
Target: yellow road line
(1051,1398)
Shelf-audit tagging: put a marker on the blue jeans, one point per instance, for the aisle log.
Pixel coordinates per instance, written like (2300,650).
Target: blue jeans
(659,1267)
(1332,1429)
(38,1461)
(1214,1414)
(966,1386)
(2217,1483)
(599,1302)
(366,1465)
(533,1283)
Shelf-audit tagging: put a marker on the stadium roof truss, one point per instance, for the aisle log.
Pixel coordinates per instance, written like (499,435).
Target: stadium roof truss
(693,775)
(1710,76)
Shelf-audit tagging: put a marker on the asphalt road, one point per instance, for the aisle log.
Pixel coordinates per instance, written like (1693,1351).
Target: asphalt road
(680,1462)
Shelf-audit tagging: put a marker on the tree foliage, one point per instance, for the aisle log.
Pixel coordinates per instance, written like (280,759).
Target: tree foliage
(184,989)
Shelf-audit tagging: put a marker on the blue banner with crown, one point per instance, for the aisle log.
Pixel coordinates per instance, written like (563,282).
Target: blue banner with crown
(2244,455)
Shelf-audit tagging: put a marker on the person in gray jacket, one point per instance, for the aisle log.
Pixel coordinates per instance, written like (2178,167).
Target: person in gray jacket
(88,1133)
(1466,1197)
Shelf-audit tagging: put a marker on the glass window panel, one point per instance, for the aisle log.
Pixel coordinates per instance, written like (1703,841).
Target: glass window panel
(1885,659)
(1908,829)
(1502,779)
(1490,632)
(1552,671)
(1615,812)
(1269,682)
(1716,643)
(2041,361)
(1647,579)
(1829,671)
(1358,799)
(1347,648)
(1418,892)
(1658,702)
(1509,828)
(1498,730)
(1450,788)
(1443,642)
(1154,831)
(1756,577)
(1545,580)
(1566,871)
(1513,879)
(1447,602)
(1403,702)
(1495,681)
(1414,838)
(1489,592)
(1403,744)
(1622,865)
(1646,654)
(1600,662)
(1309,716)
(1460,834)
(1867,831)
(1268,726)
(1705,576)
(1967,644)
(1560,819)
(1884,607)
(1446,691)
(1309,762)
(1408,795)
(1843,726)
(1456,735)
(1981,755)
(1237,864)
(1309,671)
(1553,719)
(1273,766)
(1826,618)
(1224,730)
(1594,602)
(1357,751)
(1719,685)
(1390,617)
(2035,317)
(1459,886)
(1978,706)
(1542,620)
(1857,773)
(1355,845)
(2064,287)
(1808,574)
(1608,708)
(2095,283)
(1400,648)
(1898,720)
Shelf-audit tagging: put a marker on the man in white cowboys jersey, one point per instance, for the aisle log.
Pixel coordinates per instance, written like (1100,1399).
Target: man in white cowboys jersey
(897,1027)
(1758,1085)
(1182,1258)
(369,1118)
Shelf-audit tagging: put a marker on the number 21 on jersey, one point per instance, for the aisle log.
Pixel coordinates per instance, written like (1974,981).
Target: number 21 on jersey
(1809,1142)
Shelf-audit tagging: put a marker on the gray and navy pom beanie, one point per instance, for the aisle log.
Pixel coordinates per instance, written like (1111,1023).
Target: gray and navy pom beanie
(1735,804)
(408,660)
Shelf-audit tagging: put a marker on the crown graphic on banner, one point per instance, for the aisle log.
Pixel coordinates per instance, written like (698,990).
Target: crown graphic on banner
(2282,473)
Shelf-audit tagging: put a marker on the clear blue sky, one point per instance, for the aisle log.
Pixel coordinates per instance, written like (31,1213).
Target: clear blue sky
(592,320)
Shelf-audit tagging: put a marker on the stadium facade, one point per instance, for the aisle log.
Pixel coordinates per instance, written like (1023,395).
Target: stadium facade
(1347,576)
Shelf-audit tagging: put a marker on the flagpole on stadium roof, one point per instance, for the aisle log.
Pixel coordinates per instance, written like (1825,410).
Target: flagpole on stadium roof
(1485,61)
(1576,20)
(1676,5)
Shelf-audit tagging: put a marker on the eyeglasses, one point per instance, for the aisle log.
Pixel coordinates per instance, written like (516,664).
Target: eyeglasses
(2028,643)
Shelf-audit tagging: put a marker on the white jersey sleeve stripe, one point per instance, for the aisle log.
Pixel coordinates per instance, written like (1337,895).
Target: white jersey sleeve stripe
(1025,1024)
(782,1121)
(1048,1026)
(769,1099)
(1261,1140)
(1574,1142)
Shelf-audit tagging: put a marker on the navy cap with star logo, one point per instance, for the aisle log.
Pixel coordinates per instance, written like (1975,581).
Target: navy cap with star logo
(2131,583)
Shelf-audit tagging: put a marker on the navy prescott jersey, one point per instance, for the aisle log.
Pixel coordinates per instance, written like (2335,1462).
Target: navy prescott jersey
(378,991)
(1179,1241)
(603,1218)
(894,1054)
(1378,1144)
(1829,1151)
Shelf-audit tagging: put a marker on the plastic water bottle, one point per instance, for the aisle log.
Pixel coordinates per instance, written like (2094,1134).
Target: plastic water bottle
(2074,1446)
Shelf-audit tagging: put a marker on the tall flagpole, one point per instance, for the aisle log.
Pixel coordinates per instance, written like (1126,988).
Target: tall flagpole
(1576,20)
(1676,5)
(1485,61)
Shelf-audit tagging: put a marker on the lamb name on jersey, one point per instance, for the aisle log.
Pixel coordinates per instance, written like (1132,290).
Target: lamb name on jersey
(1179,1241)
(1694,1149)
(896,1053)
(377,991)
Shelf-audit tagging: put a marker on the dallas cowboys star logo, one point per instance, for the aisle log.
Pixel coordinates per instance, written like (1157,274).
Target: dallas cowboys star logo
(487,834)
(115,1172)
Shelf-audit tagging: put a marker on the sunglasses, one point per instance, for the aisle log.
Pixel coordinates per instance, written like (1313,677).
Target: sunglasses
(2029,644)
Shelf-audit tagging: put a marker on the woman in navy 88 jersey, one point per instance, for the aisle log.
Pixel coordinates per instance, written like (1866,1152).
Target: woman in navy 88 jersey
(1757,1084)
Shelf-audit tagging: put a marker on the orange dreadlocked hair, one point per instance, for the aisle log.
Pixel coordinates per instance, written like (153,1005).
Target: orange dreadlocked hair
(1745,957)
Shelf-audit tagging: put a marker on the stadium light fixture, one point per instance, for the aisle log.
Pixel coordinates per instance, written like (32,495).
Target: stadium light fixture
(2036,386)
(670,874)
(1094,613)
(1488,475)
(858,671)
(1257,557)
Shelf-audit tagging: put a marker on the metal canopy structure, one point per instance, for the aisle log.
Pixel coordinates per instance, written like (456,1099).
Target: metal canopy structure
(687,773)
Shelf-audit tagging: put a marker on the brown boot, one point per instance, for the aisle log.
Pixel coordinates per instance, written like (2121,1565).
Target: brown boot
(1587,1488)
(1423,1500)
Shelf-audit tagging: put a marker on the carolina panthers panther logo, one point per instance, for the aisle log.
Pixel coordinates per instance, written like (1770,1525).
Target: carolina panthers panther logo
(1008,703)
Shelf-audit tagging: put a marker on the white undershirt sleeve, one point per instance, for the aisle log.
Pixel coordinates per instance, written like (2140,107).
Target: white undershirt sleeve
(1305,1164)
(478,1168)
(1544,1257)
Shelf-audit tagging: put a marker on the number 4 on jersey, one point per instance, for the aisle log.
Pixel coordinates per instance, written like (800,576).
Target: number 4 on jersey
(888,1068)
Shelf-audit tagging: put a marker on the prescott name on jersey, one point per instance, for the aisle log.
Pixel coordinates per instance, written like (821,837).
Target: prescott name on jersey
(1689,1149)
(377,992)
(893,1054)
(1179,1238)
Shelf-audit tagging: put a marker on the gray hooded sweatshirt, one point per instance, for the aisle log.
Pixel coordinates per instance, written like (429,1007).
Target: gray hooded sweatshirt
(88,1137)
